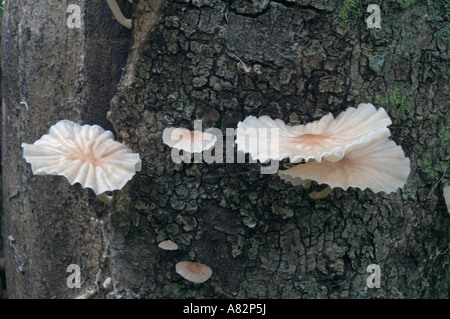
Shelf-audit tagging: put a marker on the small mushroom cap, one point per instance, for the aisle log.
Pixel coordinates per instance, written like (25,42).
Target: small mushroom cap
(446,192)
(168,245)
(83,154)
(327,138)
(381,166)
(189,141)
(192,271)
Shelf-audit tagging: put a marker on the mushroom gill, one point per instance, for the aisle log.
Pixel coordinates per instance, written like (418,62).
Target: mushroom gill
(380,166)
(192,271)
(86,154)
(327,138)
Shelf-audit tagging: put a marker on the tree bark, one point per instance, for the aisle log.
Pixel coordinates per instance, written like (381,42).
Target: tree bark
(52,72)
(219,62)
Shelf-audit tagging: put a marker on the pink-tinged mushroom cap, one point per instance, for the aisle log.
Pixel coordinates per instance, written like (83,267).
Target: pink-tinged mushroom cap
(168,245)
(192,271)
(380,166)
(83,154)
(328,138)
(189,141)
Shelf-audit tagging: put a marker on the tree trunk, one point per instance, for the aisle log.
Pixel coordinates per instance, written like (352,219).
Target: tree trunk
(219,62)
(53,72)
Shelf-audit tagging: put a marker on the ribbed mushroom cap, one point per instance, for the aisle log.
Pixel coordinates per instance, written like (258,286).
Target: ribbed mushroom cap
(83,154)
(193,271)
(327,138)
(380,166)
(189,141)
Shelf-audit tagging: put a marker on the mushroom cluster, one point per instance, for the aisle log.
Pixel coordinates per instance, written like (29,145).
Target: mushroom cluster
(351,150)
(86,154)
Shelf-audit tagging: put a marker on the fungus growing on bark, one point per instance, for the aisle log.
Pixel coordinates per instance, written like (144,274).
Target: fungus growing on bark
(192,271)
(380,166)
(168,245)
(327,138)
(86,154)
(118,13)
(446,192)
(189,141)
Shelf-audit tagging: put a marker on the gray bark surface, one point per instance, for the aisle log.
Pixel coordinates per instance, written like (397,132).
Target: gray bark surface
(262,237)
(51,72)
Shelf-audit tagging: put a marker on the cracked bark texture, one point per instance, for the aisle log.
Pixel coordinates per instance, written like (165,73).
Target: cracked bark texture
(221,61)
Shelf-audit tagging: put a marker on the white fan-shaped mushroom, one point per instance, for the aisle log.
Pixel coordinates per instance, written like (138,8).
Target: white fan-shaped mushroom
(380,166)
(328,138)
(83,154)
